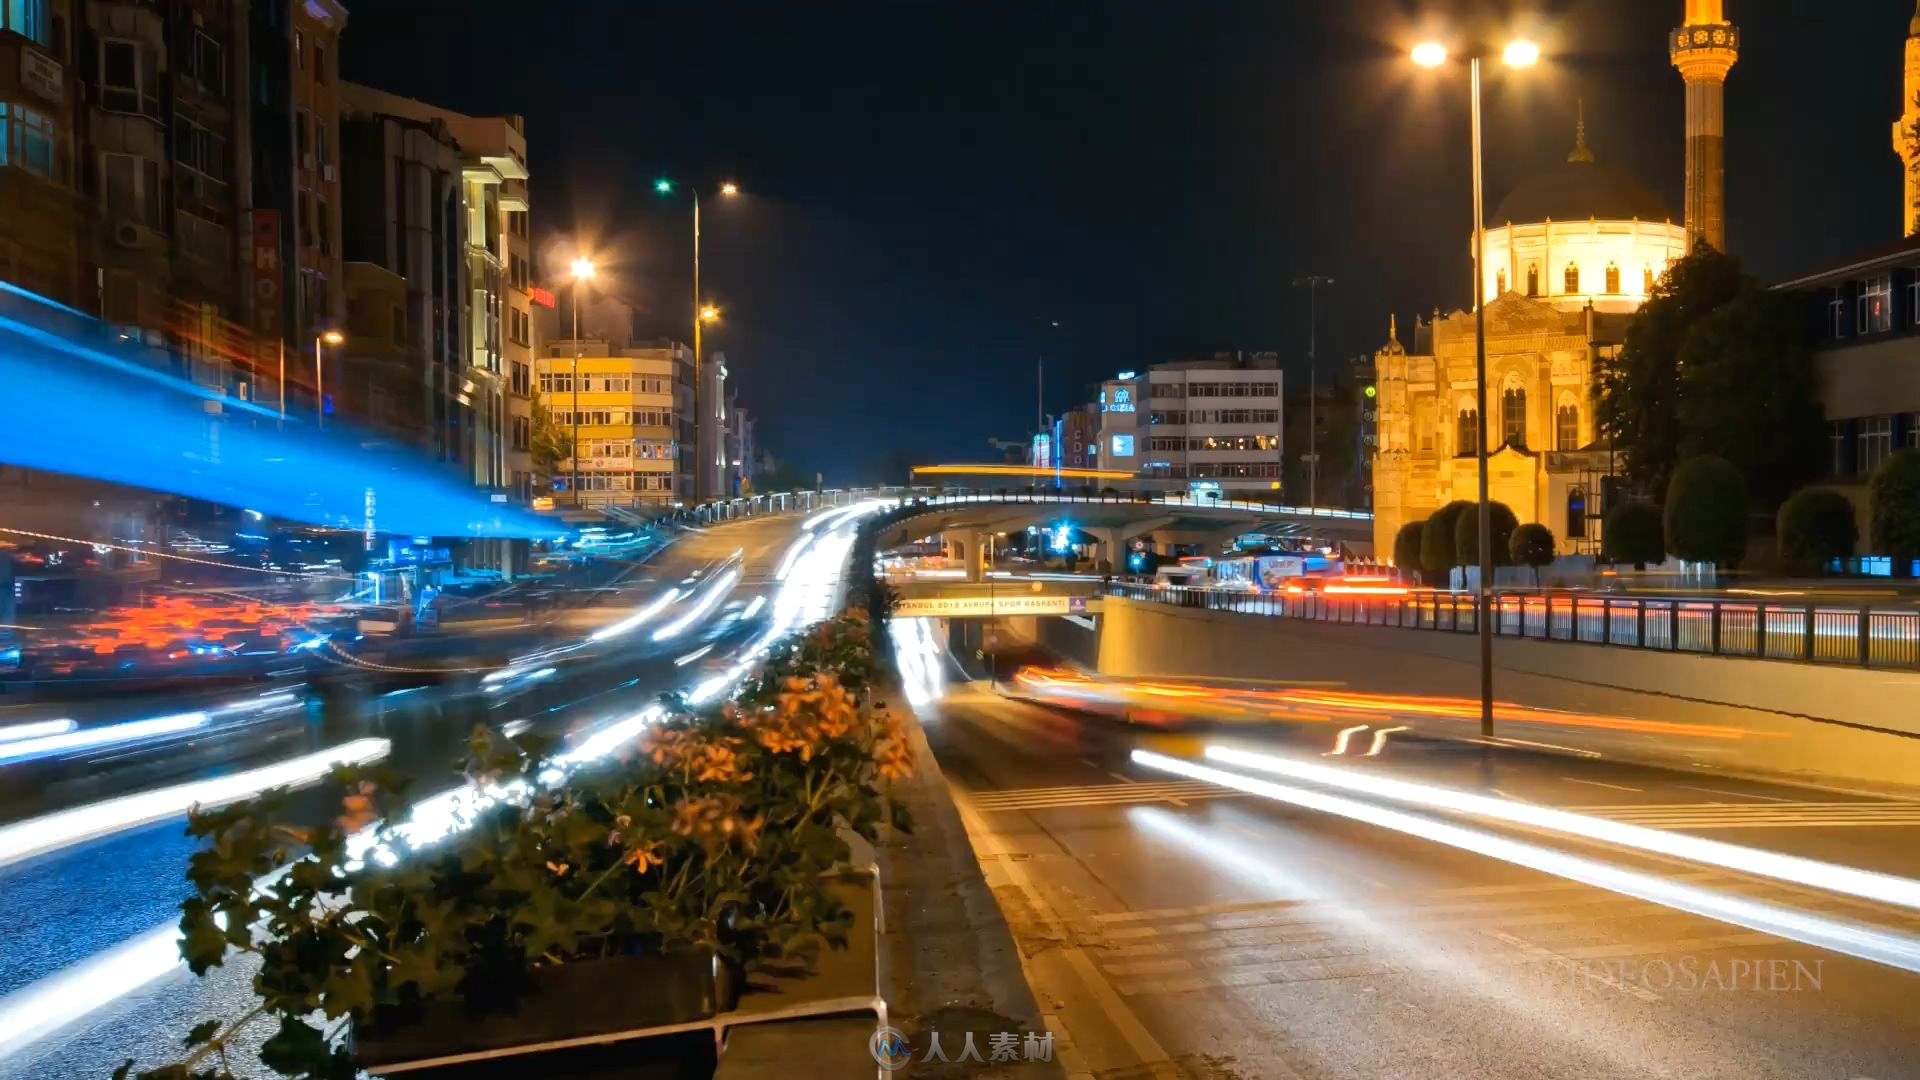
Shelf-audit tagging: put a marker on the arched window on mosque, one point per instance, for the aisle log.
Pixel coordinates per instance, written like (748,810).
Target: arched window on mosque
(1566,428)
(1647,280)
(1613,279)
(1573,277)
(1467,431)
(1533,279)
(1513,417)
(1500,283)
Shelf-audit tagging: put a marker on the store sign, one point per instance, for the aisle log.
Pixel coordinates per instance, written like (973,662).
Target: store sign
(543,297)
(1122,446)
(961,607)
(41,74)
(266,274)
(1122,400)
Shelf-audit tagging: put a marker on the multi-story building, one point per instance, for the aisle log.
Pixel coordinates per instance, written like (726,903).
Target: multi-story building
(497,276)
(713,482)
(1213,424)
(40,230)
(625,413)
(742,446)
(293,248)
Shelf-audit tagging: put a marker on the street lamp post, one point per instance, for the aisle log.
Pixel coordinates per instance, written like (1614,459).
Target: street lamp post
(324,337)
(582,273)
(1313,283)
(1518,54)
(702,313)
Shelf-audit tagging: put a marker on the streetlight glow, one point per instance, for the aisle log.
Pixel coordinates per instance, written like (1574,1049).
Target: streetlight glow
(582,269)
(1429,54)
(333,337)
(1521,54)
(709,313)
(663,185)
(729,188)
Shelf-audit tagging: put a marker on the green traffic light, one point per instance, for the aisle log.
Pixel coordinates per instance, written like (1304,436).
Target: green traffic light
(663,186)
(1371,391)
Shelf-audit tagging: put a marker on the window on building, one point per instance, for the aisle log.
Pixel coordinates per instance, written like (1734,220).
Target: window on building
(1499,283)
(26,140)
(128,82)
(1913,431)
(1647,280)
(1573,278)
(321,155)
(1513,417)
(1913,299)
(302,132)
(209,60)
(1872,444)
(130,186)
(1467,431)
(1577,513)
(1875,312)
(1566,428)
(199,149)
(1613,279)
(1837,316)
(28,18)
(1837,447)
(1533,279)
(319,63)
(522,433)
(323,226)
(299,49)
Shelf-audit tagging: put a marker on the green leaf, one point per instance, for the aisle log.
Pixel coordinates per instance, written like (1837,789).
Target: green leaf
(296,1049)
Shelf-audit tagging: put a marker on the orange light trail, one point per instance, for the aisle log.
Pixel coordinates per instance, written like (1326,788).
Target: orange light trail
(1020,470)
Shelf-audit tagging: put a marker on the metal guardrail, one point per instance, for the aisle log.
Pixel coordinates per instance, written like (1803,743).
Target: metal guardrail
(805,501)
(1807,633)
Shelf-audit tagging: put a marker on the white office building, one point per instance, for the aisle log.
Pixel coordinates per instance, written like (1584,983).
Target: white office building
(1198,426)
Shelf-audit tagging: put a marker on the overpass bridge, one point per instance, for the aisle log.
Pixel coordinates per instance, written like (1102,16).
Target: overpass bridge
(1117,519)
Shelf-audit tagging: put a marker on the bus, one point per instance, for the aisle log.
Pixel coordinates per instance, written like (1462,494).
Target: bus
(1272,572)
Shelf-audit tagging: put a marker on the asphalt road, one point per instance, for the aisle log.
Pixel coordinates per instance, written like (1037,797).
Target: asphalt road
(72,906)
(1175,928)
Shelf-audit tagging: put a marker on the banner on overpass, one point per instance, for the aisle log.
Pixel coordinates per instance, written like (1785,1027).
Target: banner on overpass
(960,607)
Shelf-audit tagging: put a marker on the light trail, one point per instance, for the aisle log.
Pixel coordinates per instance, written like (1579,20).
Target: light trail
(1829,877)
(67,996)
(1346,735)
(105,735)
(35,729)
(683,661)
(1380,740)
(1810,929)
(753,607)
(613,630)
(65,828)
(698,610)
(155,553)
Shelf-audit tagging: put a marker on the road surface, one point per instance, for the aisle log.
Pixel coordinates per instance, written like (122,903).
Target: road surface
(1176,928)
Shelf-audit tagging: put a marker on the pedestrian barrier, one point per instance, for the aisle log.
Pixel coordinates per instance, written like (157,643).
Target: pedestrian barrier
(1763,630)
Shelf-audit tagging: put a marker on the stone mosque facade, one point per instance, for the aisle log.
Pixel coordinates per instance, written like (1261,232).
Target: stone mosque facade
(1570,255)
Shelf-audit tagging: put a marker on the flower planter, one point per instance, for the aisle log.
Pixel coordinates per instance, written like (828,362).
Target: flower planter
(572,1003)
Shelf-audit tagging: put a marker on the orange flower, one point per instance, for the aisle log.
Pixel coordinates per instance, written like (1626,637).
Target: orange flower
(643,857)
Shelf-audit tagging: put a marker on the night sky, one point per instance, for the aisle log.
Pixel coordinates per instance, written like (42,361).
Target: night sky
(929,186)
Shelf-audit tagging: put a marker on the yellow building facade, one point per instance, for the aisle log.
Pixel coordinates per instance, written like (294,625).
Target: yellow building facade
(623,411)
(1575,252)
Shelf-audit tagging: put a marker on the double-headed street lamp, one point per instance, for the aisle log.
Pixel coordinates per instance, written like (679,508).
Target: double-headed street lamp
(1517,54)
(582,272)
(702,313)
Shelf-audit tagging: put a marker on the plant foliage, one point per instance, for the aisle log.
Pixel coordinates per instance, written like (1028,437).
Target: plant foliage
(1816,526)
(1706,511)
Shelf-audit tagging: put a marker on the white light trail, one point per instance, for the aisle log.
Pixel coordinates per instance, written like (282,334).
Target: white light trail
(753,607)
(35,729)
(1380,740)
(714,594)
(612,630)
(105,735)
(696,654)
(1810,929)
(1865,884)
(25,839)
(794,551)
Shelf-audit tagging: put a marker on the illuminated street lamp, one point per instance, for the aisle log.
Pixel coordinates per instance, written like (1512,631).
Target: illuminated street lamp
(702,313)
(1517,54)
(582,273)
(332,338)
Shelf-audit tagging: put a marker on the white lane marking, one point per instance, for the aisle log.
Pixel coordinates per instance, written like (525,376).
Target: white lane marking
(1596,783)
(1380,740)
(1506,795)
(1737,794)
(1346,734)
